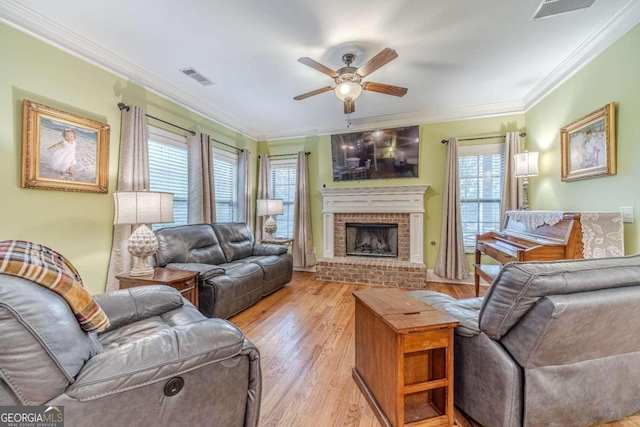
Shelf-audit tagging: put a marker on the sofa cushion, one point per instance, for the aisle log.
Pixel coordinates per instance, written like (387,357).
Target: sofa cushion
(205,271)
(465,310)
(196,243)
(519,286)
(236,239)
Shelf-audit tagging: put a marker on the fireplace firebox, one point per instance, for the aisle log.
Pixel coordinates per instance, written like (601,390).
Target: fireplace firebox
(372,240)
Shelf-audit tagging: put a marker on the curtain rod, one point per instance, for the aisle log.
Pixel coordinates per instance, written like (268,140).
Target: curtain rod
(444,141)
(123,106)
(306,153)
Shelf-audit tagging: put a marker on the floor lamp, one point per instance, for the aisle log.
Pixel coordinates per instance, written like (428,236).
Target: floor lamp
(526,166)
(269,207)
(142,207)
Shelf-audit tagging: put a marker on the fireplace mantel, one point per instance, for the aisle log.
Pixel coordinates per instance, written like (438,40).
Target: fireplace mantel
(396,199)
(393,199)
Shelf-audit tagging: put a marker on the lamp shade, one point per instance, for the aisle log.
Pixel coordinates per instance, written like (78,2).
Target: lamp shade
(270,207)
(143,207)
(348,90)
(526,164)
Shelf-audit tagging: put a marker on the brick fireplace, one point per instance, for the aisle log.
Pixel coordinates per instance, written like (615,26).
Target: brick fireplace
(402,206)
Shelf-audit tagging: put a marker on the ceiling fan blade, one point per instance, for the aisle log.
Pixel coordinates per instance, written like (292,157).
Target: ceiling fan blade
(318,66)
(349,106)
(386,55)
(313,92)
(386,89)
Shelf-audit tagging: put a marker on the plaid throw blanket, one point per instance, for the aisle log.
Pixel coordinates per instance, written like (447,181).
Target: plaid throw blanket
(50,269)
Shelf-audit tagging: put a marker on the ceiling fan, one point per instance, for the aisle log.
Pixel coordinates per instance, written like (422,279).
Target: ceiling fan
(349,84)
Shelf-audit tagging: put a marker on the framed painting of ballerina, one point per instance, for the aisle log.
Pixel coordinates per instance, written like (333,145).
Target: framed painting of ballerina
(62,151)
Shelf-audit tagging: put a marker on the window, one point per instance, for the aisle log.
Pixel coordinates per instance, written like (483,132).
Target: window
(283,186)
(481,169)
(168,171)
(225,172)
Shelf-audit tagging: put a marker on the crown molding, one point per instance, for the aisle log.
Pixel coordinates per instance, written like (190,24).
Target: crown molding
(627,18)
(399,120)
(26,20)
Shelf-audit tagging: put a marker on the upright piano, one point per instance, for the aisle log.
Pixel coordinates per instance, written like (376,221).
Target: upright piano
(516,242)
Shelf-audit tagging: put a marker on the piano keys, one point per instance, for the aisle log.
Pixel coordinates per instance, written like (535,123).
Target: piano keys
(516,242)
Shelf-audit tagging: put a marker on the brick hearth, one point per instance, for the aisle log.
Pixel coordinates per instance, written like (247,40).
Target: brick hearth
(372,271)
(402,219)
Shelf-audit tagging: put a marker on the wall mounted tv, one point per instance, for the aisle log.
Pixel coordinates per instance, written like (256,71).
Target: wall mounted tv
(376,154)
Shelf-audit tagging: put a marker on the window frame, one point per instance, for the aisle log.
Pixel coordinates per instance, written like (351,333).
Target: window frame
(180,141)
(230,158)
(284,163)
(481,150)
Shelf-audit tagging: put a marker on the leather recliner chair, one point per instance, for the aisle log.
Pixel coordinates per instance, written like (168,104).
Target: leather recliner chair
(551,344)
(160,363)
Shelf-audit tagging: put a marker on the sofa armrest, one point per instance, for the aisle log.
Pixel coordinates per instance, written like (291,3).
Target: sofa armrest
(157,358)
(268,249)
(206,271)
(126,306)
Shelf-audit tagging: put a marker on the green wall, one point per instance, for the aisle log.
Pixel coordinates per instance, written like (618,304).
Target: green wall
(614,76)
(433,158)
(78,225)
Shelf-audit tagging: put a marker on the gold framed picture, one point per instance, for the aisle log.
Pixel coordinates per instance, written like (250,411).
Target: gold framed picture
(62,151)
(588,145)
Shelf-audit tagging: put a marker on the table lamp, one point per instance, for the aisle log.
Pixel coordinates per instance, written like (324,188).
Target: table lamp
(268,207)
(141,208)
(526,166)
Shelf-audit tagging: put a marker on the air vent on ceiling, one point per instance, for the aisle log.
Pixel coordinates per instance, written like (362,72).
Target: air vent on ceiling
(197,76)
(550,8)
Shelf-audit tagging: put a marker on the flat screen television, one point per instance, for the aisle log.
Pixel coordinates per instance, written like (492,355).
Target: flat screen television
(376,154)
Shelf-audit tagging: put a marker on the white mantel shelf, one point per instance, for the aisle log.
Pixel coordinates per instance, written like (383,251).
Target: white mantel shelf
(390,199)
(395,199)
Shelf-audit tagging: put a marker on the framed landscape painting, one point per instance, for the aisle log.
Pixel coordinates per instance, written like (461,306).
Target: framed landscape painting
(62,151)
(588,145)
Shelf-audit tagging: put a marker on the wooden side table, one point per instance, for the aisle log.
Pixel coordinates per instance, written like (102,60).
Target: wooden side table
(184,281)
(404,359)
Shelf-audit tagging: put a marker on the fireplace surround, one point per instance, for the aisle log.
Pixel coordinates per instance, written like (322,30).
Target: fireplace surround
(401,207)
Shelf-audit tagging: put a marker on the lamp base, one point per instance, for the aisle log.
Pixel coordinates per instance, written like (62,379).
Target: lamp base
(525,198)
(270,227)
(142,244)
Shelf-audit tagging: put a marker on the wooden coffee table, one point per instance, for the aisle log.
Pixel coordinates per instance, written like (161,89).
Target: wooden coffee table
(404,358)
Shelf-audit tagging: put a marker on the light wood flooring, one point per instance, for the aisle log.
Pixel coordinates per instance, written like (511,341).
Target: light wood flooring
(305,333)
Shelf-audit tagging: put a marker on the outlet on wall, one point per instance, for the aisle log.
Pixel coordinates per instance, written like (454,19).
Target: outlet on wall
(627,213)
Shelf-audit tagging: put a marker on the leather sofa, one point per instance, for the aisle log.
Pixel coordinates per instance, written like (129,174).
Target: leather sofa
(551,344)
(160,363)
(235,272)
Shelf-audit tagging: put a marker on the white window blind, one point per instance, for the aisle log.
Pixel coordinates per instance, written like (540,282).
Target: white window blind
(283,186)
(481,169)
(225,173)
(168,171)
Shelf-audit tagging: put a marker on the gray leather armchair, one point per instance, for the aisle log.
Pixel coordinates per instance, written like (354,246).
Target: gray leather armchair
(160,363)
(551,344)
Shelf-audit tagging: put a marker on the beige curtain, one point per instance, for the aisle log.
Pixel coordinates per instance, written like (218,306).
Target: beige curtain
(133,175)
(264,187)
(245,211)
(201,206)
(512,195)
(451,262)
(302,251)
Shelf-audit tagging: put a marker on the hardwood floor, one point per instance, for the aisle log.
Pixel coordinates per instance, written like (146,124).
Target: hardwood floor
(305,333)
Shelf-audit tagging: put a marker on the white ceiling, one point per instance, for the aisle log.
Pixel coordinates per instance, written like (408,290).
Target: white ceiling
(458,58)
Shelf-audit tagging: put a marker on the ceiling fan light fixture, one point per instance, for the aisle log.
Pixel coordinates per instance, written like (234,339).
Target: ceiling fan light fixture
(348,90)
